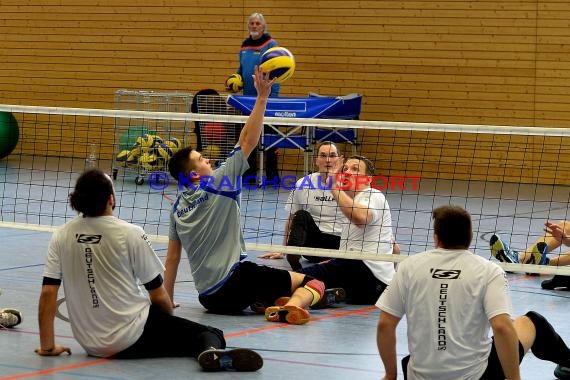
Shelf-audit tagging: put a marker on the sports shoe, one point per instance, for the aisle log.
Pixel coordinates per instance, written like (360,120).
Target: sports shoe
(10,317)
(538,254)
(288,314)
(258,307)
(562,373)
(500,250)
(281,301)
(238,359)
(558,281)
(331,297)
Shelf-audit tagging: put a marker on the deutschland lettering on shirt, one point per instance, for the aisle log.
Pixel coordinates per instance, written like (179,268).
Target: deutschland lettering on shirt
(442,317)
(192,205)
(91,277)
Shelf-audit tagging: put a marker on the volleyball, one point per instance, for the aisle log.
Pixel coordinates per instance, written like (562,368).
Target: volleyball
(279,63)
(145,140)
(148,161)
(132,158)
(234,83)
(122,156)
(164,151)
(173,142)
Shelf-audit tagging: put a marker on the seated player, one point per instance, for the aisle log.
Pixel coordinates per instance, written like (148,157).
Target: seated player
(206,221)
(314,220)
(102,262)
(10,317)
(369,229)
(557,234)
(451,298)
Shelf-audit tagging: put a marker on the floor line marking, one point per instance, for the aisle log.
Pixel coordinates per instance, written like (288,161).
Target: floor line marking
(227,336)
(57,369)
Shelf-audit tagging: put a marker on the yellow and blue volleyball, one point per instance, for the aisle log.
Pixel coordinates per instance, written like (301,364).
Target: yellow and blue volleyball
(279,63)
(164,151)
(122,155)
(145,140)
(137,150)
(157,141)
(148,161)
(132,159)
(234,83)
(174,144)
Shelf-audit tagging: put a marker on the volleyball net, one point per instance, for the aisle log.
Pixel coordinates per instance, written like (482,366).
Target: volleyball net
(511,179)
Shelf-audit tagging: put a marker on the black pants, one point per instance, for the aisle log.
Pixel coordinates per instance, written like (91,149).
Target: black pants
(494,369)
(360,284)
(166,335)
(304,232)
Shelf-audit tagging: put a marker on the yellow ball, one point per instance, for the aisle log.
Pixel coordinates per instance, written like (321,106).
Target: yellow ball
(122,155)
(148,141)
(279,63)
(132,159)
(164,151)
(211,151)
(234,83)
(148,161)
(173,146)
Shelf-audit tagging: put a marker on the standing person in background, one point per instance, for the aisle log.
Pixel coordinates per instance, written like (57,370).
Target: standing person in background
(258,42)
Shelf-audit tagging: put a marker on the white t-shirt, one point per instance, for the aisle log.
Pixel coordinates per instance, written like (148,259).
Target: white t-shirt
(375,237)
(448,297)
(102,262)
(312,195)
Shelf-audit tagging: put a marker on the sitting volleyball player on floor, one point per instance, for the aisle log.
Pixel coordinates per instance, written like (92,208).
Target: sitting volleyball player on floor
(557,234)
(102,262)
(314,220)
(451,298)
(205,220)
(368,229)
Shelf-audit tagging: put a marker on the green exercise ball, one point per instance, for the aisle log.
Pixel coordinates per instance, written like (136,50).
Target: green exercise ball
(9,133)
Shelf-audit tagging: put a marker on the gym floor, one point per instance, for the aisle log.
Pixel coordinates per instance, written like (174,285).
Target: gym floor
(338,343)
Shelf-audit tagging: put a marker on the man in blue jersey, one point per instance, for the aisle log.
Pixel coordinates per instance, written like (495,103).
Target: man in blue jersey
(205,220)
(252,48)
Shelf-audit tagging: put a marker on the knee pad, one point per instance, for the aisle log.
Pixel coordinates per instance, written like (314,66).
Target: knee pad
(316,287)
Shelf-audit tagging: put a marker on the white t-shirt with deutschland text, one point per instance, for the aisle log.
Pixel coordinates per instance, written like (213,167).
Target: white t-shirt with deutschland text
(448,297)
(103,261)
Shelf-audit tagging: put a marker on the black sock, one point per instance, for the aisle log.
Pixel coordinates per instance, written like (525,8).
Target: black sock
(212,338)
(548,345)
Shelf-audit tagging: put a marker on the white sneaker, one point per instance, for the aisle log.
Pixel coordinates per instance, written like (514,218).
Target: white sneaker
(10,318)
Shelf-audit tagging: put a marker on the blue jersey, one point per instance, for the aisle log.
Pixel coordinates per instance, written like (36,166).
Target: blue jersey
(206,220)
(249,56)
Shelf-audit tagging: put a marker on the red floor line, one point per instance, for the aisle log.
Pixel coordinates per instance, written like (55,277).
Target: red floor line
(285,325)
(228,336)
(57,369)
(520,278)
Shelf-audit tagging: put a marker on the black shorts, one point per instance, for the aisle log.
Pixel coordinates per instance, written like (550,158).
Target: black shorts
(248,284)
(494,369)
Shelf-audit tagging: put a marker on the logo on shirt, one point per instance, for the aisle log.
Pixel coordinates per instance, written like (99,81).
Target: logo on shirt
(445,274)
(88,239)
